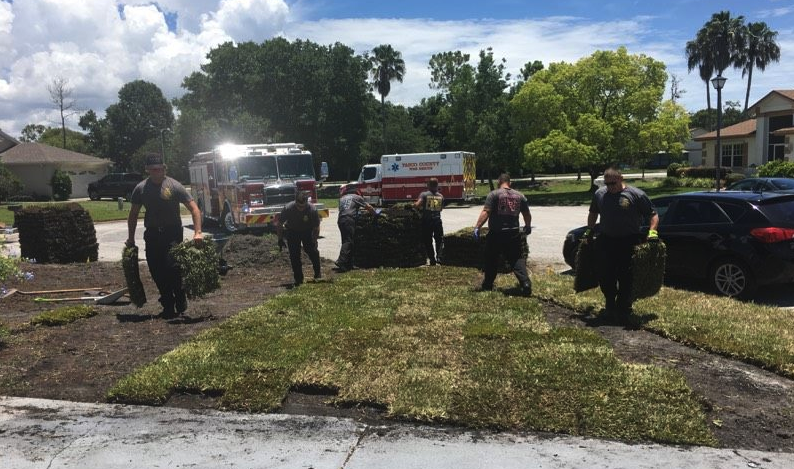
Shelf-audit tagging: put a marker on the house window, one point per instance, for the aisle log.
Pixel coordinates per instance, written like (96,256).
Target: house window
(776,151)
(732,155)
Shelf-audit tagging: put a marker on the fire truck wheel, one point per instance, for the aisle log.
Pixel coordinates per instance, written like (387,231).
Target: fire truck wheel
(228,222)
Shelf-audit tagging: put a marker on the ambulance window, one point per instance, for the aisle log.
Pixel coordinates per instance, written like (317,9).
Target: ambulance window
(369,173)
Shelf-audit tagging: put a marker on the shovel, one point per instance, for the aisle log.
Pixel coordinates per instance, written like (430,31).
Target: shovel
(107,299)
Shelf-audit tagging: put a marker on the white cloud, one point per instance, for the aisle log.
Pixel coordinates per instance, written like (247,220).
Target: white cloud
(98,49)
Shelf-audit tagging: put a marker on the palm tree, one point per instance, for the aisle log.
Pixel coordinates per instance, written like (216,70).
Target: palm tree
(726,40)
(697,57)
(717,45)
(761,51)
(387,65)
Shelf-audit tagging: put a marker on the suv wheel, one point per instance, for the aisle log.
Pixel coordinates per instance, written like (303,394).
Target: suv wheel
(731,277)
(93,195)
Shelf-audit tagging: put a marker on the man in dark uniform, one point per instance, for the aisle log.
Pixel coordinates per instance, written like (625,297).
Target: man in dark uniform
(349,205)
(301,222)
(161,196)
(623,209)
(431,202)
(501,209)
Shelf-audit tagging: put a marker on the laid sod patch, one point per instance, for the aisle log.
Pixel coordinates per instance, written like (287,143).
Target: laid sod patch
(429,350)
(756,334)
(63,315)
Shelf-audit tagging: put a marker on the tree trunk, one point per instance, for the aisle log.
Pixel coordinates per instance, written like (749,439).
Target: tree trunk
(708,96)
(383,121)
(747,95)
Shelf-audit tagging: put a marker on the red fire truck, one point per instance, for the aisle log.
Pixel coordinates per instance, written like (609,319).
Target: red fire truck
(400,178)
(246,186)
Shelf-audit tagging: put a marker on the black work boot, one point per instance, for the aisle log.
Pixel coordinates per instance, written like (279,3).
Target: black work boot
(526,289)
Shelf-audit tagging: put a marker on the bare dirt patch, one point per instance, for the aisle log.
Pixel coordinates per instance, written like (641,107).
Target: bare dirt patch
(747,408)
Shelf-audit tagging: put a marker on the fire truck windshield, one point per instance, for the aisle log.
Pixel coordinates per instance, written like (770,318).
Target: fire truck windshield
(257,167)
(296,166)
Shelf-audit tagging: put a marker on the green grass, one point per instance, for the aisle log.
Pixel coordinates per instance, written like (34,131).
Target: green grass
(100,210)
(569,193)
(63,315)
(756,334)
(397,339)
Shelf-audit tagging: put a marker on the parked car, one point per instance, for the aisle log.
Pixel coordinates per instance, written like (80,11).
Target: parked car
(785,185)
(737,241)
(114,185)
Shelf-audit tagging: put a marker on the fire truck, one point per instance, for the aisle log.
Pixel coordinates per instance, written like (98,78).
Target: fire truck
(400,178)
(247,186)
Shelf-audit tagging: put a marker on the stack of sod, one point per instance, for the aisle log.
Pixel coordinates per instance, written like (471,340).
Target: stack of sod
(586,267)
(647,267)
(198,265)
(57,233)
(129,262)
(462,250)
(392,240)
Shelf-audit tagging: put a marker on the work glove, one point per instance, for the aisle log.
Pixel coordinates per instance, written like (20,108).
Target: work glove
(527,230)
(378,212)
(476,233)
(281,244)
(653,236)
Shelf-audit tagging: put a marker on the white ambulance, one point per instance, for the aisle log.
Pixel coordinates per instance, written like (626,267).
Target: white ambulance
(401,178)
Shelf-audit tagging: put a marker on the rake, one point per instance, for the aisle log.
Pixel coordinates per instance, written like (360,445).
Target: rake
(106,299)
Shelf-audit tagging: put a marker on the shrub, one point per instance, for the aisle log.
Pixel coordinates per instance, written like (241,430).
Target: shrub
(671,181)
(704,172)
(733,177)
(703,183)
(61,185)
(4,333)
(10,184)
(672,170)
(777,168)
(9,267)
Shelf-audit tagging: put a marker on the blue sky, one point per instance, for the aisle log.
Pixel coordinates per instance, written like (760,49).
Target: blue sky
(99,45)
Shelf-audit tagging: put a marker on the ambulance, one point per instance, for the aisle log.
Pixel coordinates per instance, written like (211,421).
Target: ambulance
(402,177)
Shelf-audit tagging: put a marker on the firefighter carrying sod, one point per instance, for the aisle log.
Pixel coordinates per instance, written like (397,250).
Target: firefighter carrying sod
(622,209)
(349,205)
(501,209)
(161,196)
(301,222)
(431,202)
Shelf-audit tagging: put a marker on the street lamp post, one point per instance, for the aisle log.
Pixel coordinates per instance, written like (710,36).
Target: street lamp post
(718,82)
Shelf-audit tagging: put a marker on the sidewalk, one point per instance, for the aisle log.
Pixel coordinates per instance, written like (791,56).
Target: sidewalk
(36,433)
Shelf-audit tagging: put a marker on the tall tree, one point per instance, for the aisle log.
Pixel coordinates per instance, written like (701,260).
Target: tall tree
(761,50)
(141,113)
(727,40)
(591,113)
(698,56)
(32,133)
(387,66)
(61,97)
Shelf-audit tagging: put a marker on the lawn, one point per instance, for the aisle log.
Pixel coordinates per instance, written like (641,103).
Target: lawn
(395,339)
(100,210)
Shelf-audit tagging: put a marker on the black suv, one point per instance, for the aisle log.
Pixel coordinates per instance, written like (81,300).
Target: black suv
(735,240)
(114,185)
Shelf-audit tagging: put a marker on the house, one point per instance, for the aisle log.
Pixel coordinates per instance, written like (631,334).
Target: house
(748,144)
(35,163)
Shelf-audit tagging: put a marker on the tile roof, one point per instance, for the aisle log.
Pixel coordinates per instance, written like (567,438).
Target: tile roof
(742,129)
(26,153)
